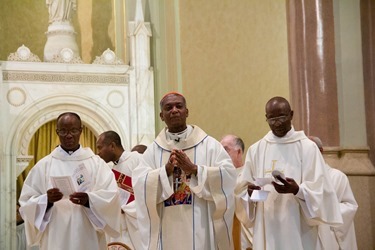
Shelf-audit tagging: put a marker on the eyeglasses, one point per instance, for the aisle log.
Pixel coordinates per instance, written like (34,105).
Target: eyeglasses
(273,120)
(64,132)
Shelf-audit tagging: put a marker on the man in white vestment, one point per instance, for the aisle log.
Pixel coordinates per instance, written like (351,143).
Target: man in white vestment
(69,199)
(110,149)
(185,189)
(235,147)
(340,237)
(300,196)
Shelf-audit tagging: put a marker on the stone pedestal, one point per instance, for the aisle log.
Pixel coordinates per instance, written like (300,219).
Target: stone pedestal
(60,36)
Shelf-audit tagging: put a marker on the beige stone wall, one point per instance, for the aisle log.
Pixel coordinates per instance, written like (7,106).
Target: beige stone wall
(233,59)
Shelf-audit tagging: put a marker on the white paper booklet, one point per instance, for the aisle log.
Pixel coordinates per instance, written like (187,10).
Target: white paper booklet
(64,184)
(80,181)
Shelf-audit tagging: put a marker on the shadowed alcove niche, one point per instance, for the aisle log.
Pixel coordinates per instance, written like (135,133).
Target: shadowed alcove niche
(106,93)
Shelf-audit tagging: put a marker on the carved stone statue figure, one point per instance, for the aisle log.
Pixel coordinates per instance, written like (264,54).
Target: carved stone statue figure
(61,10)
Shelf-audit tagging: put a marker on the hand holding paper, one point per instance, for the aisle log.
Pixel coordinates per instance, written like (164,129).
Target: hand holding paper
(251,187)
(284,185)
(263,181)
(277,174)
(259,195)
(80,198)
(64,184)
(54,195)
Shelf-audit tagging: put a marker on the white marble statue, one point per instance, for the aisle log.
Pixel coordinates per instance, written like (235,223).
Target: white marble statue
(61,10)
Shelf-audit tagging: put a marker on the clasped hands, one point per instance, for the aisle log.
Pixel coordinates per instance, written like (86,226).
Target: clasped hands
(288,185)
(78,198)
(178,158)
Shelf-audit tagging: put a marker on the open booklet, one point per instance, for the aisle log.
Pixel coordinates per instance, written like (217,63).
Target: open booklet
(80,181)
(124,182)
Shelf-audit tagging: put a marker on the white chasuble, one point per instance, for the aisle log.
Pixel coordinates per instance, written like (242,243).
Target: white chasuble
(186,212)
(66,225)
(287,221)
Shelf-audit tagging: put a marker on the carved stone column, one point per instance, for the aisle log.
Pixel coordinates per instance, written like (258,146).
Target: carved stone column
(312,68)
(368,51)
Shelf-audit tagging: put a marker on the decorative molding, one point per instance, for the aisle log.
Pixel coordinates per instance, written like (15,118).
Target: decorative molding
(22,162)
(61,32)
(23,53)
(115,99)
(66,55)
(16,96)
(27,135)
(108,57)
(64,77)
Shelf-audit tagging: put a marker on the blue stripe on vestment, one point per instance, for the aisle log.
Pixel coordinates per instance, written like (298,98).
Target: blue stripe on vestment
(226,204)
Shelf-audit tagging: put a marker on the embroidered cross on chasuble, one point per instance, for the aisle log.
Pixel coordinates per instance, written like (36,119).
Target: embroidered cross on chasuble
(124,182)
(182,193)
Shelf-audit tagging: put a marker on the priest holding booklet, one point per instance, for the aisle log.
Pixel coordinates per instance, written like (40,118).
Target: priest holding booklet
(78,220)
(110,149)
(300,197)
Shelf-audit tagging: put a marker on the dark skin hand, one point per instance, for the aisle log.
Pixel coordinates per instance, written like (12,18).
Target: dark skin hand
(252,187)
(180,159)
(290,186)
(80,198)
(53,195)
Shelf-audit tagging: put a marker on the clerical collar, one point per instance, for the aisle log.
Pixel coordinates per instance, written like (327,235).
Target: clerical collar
(70,152)
(180,135)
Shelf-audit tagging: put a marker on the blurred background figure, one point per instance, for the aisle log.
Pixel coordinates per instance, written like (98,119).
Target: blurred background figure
(343,236)
(140,148)
(235,147)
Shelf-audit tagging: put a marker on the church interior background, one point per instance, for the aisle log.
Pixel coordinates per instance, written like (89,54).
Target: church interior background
(228,58)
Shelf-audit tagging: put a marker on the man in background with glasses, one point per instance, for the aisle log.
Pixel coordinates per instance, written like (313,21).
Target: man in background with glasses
(296,193)
(69,199)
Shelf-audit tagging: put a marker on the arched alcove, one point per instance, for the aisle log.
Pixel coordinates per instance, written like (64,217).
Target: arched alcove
(92,114)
